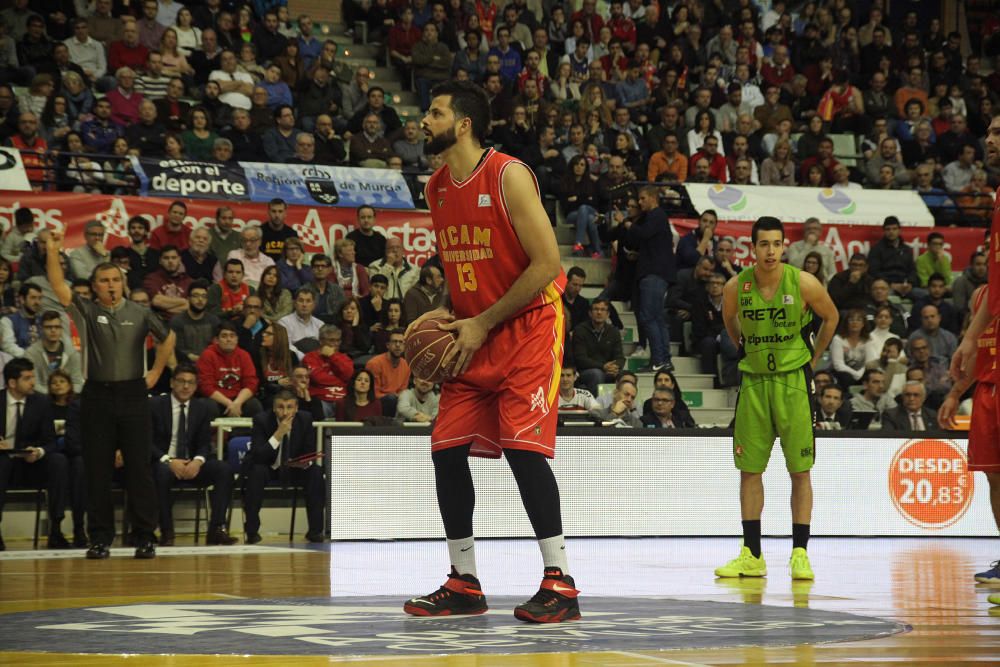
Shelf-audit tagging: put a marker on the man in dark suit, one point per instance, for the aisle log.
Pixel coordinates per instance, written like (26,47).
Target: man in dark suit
(182,454)
(279,435)
(27,451)
(912,415)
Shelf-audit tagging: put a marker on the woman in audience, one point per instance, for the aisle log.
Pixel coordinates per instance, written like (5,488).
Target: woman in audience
(577,30)
(277,301)
(199,137)
(293,70)
(704,126)
(813,263)
(623,148)
(808,143)
(580,199)
(668,91)
(118,170)
(880,333)
(245,24)
(75,172)
(470,56)
(61,394)
(594,100)
(779,169)
(78,96)
(55,122)
(360,403)
(188,35)
(392,318)
(563,89)
(893,362)
(8,297)
(41,89)
(274,361)
(815,177)
(849,351)
(248,62)
(292,268)
(174,61)
(351,276)
(173,147)
(357,341)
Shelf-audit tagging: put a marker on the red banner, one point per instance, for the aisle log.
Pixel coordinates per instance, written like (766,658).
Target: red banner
(318,227)
(845,240)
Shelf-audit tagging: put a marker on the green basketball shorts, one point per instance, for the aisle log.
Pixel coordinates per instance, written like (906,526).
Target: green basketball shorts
(774,405)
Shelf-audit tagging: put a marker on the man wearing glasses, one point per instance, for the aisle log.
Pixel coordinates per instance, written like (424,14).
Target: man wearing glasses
(83,259)
(663,406)
(182,455)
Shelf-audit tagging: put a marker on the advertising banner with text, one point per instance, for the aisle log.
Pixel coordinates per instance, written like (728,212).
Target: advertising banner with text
(318,226)
(845,240)
(308,185)
(831,205)
(12,176)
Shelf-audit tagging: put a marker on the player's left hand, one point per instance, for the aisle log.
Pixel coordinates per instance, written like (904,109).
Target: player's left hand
(471,336)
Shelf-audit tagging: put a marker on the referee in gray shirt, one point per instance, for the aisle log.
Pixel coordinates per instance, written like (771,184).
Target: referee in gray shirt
(114,411)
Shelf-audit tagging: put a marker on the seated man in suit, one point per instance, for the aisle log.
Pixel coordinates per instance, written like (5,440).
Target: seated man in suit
(182,454)
(828,415)
(281,434)
(912,415)
(27,452)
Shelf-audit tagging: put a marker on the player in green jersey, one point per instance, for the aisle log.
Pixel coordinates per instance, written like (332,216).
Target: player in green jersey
(767,307)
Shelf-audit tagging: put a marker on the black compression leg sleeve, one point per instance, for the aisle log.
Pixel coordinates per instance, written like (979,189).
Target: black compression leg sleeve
(455,493)
(539,491)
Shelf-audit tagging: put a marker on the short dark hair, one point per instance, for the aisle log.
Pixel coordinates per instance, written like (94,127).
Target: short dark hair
(319,257)
(835,387)
(277,201)
(176,202)
(201,283)
(379,278)
(23,216)
(425,273)
(285,395)
(468,100)
(278,110)
(936,278)
(13,369)
(226,325)
(140,220)
(50,315)
(935,236)
(186,367)
(574,272)
(169,248)
(889,221)
(27,287)
(766,223)
(869,372)
(234,261)
(603,300)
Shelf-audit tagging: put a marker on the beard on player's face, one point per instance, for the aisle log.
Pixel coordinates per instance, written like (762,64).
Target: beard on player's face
(439,143)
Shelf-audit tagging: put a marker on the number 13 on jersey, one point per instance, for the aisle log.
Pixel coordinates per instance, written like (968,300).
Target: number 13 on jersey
(467,277)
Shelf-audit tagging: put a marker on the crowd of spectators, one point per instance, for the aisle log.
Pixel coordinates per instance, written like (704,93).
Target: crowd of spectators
(726,91)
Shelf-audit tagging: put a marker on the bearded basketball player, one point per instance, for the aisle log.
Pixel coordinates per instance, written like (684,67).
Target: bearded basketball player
(505,282)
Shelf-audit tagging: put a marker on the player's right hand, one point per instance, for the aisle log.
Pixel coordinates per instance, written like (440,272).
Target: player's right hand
(55,240)
(963,356)
(946,413)
(437,313)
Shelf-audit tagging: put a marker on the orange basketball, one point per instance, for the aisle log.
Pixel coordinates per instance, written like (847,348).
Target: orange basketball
(426,348)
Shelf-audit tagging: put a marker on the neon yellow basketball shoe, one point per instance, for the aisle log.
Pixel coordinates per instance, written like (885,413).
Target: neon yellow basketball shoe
(744,565)
(799,565)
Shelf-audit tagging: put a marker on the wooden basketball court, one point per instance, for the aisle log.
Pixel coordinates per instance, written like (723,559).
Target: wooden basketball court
(923,583)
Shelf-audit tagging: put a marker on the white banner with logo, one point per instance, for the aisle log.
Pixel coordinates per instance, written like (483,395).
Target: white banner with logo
(853,206)
(12,176)
(632,484)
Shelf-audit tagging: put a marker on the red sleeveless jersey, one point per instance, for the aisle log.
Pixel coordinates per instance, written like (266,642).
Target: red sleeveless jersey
(994,257)
(987,368)
(479,249)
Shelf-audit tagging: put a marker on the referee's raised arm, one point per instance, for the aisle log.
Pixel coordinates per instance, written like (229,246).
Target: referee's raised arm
(53,267)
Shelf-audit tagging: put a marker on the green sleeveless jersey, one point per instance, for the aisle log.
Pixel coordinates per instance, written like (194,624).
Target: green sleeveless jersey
(773,336)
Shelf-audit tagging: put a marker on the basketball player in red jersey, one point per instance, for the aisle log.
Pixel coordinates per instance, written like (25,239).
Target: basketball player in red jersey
(505,283)
(965,355)
(984,431)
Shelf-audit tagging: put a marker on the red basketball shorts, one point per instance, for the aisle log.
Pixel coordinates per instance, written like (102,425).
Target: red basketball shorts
(506,398)
(984,431)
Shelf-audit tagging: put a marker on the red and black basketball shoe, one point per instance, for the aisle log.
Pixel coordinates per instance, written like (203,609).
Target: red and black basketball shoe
(460,595)
(555,601)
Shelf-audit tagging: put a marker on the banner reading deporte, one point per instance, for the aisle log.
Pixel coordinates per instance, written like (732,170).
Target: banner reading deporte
(308,185)
(318,226)
(853,206)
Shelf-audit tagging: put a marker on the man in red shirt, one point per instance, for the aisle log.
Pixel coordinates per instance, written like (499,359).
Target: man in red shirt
(174,232)
(226,374)
(128,52)
(32,147)
(716,163)
(621,26)
(226,297)
(168,285)
(330,370)
(824,158)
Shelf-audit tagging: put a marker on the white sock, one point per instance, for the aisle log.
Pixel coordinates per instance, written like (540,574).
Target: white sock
(463,555)
(554,552)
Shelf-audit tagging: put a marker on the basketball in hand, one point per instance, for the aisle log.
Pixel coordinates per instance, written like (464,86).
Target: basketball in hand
(426,348)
